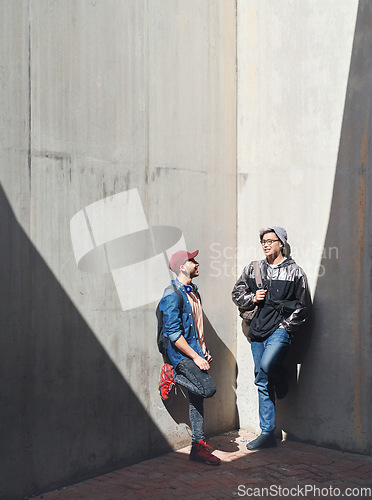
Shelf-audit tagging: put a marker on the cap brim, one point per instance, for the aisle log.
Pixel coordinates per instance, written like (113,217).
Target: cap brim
(192,255)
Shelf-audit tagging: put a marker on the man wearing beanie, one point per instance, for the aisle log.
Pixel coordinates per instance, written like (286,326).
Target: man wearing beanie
(182,318)
(284,304)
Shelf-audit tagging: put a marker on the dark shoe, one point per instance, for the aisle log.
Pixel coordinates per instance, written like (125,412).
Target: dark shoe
(281,388)
(202,452)
(263,441)
(166,382)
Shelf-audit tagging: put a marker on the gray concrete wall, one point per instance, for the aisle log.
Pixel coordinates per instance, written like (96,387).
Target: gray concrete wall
(304,139)
(336,358)
(130,129)
(117,116)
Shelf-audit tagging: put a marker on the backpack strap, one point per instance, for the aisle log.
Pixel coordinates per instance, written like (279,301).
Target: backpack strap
(257,273)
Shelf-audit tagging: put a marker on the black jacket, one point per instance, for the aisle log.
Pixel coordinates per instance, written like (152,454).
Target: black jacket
(287,301)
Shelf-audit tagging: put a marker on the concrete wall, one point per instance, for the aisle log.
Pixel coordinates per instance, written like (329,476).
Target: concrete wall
(304,137)
(117,116)
(130,129)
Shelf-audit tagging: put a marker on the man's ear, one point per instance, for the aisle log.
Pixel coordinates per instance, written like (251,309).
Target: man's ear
(184,270)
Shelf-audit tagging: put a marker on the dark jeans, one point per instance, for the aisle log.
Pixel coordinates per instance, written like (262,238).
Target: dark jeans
(200,385)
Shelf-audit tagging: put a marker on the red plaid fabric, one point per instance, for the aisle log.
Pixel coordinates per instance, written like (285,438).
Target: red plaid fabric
(166,382)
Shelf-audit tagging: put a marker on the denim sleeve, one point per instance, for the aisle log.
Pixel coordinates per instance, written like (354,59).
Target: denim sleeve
(172,324)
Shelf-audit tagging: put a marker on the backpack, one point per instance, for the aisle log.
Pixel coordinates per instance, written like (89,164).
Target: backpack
(249,314)
(161,340)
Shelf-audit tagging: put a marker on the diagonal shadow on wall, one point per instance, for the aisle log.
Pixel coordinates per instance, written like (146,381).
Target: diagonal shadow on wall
(331,404)
(67,413)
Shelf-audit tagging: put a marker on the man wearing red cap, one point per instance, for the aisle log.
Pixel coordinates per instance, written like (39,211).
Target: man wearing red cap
(187,350)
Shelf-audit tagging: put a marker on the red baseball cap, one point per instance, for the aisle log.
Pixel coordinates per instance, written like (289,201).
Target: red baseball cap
(180,258)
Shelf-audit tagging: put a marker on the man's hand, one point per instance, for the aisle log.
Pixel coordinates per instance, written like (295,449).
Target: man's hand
(201,362)
(260,295)
(183,346)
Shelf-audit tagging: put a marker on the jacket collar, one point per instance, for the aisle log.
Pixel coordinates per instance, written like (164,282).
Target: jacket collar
(288,260)
(181,286)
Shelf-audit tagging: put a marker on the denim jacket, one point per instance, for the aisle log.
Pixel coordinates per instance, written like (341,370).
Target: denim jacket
(176,324)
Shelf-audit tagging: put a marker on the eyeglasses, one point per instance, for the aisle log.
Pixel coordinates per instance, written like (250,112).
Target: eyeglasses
(268,242)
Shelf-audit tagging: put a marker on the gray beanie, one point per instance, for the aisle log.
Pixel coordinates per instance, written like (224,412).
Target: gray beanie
(279,231)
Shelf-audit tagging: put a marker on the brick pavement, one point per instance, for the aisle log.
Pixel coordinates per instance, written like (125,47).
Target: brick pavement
(293,470)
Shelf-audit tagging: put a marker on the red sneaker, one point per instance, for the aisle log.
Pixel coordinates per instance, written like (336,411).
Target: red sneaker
(202,452)
(203,443)
(166,382)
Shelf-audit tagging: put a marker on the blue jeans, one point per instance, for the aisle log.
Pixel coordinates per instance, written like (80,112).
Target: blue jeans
(200,385)
(268,357)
